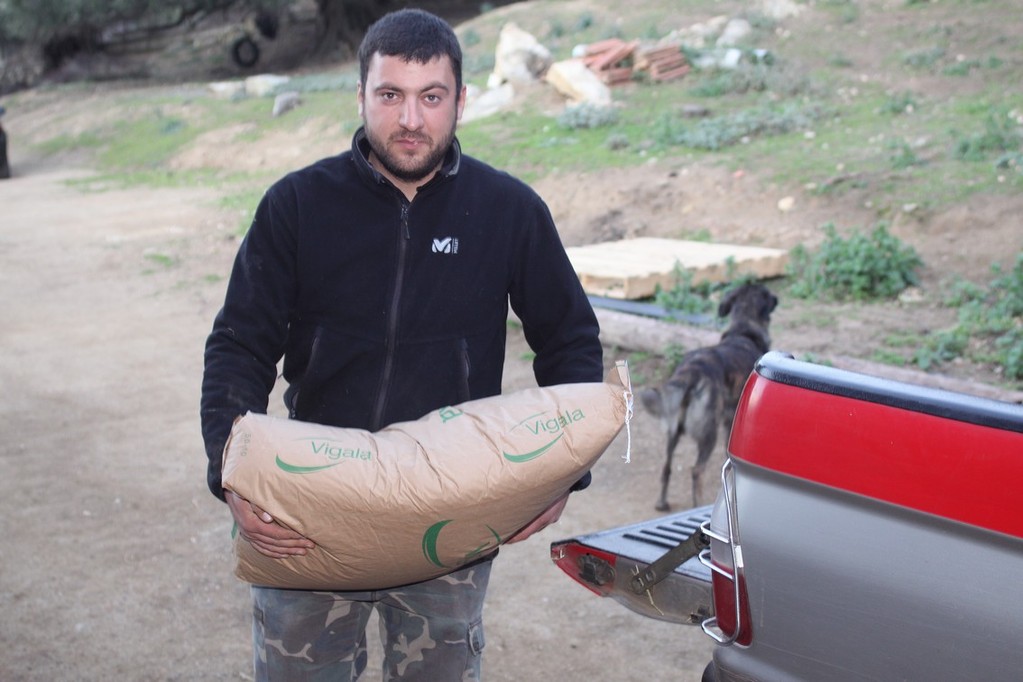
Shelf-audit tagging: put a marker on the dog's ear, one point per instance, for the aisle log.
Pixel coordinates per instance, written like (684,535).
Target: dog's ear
(770,303)
(725,307)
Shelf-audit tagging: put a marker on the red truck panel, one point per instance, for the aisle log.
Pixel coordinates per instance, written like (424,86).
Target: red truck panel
(953,469)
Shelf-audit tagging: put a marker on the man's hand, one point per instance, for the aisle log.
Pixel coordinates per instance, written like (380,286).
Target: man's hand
(262,532)
(551,515)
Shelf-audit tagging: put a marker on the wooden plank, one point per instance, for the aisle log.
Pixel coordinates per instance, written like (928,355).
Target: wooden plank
(634,268)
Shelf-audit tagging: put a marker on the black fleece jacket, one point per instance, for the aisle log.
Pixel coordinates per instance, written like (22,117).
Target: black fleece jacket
(385,309)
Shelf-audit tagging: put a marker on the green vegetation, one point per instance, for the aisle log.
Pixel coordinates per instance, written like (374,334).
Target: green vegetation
(926,120)
(989,327)
(684,296)
(860,268)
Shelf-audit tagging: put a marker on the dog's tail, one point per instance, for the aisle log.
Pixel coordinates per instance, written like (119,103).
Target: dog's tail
(670,400)
(662,400)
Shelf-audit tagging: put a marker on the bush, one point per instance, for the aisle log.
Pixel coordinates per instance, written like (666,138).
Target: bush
(684,296)
(861,268)
(724,131)
(991,318)
(1000,135)
(587,115)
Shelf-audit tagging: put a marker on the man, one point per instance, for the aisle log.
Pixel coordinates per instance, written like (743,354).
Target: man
(383,277)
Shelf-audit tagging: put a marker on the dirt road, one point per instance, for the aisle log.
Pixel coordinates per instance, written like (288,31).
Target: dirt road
(116,561)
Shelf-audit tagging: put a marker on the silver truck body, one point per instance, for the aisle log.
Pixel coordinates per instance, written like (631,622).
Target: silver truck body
(866,530)
(879,531)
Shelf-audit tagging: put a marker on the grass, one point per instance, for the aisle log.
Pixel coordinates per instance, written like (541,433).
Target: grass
(924,119)
(795,125)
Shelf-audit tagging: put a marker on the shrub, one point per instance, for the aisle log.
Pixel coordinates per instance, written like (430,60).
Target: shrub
(1000,134)
(587,115)
(992,318)
(725,131)
(684,296)
(861,268)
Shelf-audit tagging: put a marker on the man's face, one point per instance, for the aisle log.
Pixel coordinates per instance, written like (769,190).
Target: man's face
(410,111)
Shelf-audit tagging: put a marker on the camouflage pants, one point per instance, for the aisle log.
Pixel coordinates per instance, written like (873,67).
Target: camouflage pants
(431,631)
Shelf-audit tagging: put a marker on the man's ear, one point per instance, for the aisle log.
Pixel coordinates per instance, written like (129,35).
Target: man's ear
(360,97)
(461,104)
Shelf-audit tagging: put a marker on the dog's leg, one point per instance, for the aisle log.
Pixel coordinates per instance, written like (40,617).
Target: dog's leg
(705,442)
(673,437)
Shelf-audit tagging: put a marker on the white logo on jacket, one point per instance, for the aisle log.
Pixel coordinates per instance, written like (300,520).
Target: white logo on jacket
(445,245)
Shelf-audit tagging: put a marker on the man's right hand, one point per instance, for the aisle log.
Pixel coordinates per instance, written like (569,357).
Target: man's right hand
(263,532)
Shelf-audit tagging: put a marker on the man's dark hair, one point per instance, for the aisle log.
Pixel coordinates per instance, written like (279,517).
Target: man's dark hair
(415,36)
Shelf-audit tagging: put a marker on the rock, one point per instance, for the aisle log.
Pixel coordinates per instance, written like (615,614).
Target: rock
(735,31)
(227,89)
(781,9)
(573,79)
(730,59)
(519,57)
(285,102)
(694,111)
(786,204)
(483,103)
(264,84)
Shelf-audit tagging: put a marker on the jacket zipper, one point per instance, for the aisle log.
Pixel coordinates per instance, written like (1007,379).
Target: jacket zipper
(391,342)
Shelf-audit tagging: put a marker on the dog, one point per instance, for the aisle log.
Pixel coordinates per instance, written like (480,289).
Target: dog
(704,389)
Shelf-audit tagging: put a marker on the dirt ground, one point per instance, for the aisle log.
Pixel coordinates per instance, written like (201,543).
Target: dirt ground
(116,562)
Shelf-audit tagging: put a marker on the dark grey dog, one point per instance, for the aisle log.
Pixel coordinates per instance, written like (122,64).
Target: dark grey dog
(703,391)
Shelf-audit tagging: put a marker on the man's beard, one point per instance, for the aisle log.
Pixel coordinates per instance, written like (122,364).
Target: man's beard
(405,168)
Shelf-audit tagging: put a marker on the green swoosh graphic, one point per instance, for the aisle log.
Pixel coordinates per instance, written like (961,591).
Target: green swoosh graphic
(485,546)
(430,542)
(526,456)
(295,469)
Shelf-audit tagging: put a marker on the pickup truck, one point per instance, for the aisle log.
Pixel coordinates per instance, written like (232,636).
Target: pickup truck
(865,529)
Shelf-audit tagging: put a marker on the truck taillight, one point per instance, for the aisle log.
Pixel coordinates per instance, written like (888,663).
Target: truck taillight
(731,601)
(593,569)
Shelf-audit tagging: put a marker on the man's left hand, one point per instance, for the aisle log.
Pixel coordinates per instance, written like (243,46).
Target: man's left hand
(546,518)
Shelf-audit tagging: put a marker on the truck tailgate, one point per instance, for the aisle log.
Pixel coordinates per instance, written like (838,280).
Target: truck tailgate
(606,561)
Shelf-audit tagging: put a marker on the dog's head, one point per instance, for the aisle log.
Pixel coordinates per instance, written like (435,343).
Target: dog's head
(751,302)
(750,307)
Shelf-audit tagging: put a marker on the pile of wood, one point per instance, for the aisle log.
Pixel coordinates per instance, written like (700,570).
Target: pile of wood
(616,61)
(663,63)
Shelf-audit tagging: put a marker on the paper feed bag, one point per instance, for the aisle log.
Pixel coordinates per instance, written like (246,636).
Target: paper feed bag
(417,499)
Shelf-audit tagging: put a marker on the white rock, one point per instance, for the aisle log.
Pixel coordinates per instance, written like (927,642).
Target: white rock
(285,102)
(519,58)
(480,104)
(734,32)
(227,89)
(264,84)
(572,79)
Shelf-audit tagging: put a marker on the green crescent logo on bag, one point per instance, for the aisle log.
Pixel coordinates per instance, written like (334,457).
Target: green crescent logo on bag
(432,535)
(526,456)
(538,424)
(296,469)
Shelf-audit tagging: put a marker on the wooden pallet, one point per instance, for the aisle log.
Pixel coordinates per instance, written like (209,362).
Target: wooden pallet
(634,268)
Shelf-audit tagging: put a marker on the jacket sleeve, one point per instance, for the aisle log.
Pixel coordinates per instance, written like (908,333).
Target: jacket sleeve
(249,333)
(557,319)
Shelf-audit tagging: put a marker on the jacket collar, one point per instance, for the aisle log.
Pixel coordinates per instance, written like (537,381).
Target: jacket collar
(360,152)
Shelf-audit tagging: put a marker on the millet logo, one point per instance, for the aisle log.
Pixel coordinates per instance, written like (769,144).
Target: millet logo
(445,245)
(541,424)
